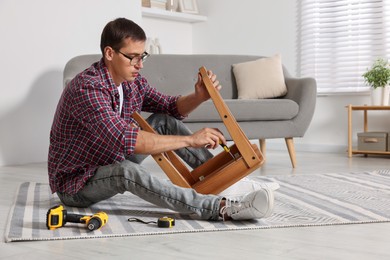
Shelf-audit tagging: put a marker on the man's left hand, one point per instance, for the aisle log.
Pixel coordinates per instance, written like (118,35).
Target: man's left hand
(201,90)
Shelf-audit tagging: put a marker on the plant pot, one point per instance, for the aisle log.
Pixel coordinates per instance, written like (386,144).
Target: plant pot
(380,96)
(386,95)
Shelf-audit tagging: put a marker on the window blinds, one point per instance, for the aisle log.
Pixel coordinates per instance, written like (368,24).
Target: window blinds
(339,39)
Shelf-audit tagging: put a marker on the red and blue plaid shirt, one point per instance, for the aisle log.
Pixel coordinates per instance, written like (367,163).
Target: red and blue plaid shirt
(88,130)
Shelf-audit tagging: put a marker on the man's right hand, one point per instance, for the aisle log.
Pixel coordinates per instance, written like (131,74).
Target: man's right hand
(151,143)
(207,137)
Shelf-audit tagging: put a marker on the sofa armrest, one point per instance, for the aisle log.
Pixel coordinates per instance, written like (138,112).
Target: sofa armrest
(304,92)
(301,89)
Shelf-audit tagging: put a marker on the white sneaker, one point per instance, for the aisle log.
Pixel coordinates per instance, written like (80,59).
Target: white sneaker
(254,205)
(245,185)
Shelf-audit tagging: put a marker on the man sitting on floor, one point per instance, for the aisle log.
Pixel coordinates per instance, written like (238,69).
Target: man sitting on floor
(96,146)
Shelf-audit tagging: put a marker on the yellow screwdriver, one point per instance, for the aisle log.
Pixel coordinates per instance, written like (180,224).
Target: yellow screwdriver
(224,146)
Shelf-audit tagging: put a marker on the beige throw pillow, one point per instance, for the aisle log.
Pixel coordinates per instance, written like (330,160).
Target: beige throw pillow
(262,78)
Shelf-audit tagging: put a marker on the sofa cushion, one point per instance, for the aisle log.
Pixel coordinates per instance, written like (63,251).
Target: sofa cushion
(247,110)
(262,78)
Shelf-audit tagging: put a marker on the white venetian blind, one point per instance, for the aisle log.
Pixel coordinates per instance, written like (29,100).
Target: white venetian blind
(339,39)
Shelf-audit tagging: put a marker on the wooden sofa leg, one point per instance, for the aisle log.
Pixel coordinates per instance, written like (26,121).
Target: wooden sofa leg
(262,146)
(291,150)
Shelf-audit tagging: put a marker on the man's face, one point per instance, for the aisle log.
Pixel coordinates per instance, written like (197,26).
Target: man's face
(120,66)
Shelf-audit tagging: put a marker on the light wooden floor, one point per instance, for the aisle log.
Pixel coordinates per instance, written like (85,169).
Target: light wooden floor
(367,241)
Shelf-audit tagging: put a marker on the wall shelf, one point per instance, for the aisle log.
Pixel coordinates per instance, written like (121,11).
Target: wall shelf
(173,16)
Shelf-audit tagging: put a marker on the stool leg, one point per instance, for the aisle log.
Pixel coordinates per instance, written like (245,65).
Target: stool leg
(262,146)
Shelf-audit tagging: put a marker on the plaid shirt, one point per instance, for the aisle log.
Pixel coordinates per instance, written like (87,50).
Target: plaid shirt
(88,131)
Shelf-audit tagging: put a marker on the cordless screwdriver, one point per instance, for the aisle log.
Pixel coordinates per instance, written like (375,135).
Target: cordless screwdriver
(57,217)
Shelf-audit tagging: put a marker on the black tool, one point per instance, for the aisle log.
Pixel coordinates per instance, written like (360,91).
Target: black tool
(164,222)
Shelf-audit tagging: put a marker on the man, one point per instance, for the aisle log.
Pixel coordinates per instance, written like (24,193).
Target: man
(96,147)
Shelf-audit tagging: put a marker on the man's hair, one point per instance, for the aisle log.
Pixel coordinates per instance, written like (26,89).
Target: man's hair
(118,30)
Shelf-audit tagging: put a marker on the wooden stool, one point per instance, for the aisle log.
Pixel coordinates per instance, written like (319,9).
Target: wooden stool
(221,171)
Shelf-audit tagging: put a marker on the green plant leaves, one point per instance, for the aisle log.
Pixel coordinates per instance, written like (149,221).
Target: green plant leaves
(379,74)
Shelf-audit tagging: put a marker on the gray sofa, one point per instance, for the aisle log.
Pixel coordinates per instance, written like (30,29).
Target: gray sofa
(286,117)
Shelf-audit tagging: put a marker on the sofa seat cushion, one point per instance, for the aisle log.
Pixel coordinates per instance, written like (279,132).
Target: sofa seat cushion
(247,110)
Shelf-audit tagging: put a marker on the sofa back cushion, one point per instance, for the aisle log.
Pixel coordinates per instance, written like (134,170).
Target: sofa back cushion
(175,74)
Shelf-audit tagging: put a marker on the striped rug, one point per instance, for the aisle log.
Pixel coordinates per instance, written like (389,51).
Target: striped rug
(301,201)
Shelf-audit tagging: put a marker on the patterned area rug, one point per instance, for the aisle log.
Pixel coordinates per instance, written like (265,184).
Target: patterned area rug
(301,201)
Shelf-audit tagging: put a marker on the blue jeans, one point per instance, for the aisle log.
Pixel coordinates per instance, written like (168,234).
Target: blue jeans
(129,175)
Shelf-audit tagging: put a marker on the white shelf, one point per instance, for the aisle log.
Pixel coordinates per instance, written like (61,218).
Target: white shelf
(173,16)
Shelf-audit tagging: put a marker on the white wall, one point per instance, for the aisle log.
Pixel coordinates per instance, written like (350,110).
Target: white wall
(37,39)
(174,37)
(254,27)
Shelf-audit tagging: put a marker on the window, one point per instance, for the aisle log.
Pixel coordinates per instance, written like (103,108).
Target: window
(339,39)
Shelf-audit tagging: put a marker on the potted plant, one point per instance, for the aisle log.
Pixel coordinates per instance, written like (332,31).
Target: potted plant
(378,78)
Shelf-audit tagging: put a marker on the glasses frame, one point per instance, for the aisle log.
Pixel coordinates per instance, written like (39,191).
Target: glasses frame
(138,58)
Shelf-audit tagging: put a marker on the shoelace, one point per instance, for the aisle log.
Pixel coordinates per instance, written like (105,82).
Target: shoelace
(230,205)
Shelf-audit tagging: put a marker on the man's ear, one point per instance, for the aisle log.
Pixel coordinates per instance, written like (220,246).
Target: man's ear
(108,53)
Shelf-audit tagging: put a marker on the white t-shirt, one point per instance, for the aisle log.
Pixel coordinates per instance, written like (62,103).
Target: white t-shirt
(120,89)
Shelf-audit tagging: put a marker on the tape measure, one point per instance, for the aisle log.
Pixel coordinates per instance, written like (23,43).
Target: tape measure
(164,222)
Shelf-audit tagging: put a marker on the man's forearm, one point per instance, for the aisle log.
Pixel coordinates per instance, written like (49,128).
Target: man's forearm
(150,143)
(186,104)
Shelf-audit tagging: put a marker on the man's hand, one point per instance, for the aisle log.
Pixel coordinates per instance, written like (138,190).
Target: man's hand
(186,104)
(151,143)
(200,89)
(207,137)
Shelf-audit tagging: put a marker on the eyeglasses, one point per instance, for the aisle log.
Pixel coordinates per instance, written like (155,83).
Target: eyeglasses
(136,59)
